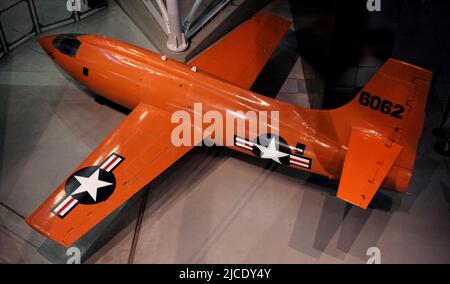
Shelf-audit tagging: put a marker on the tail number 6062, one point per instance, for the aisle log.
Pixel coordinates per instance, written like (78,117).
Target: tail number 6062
(384,106)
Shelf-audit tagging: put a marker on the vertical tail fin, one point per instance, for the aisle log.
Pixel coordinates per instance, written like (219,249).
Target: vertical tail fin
(393,105)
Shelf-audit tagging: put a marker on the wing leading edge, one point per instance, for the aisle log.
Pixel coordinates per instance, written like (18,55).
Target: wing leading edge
(134,153)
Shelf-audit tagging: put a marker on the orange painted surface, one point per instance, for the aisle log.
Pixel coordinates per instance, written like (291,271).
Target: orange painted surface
(142,139)
(140,80)
(363,173)
(240,56)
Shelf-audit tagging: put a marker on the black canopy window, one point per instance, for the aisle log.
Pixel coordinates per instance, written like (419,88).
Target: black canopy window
(67,44)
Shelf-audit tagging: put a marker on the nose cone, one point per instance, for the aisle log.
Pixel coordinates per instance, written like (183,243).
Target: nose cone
(47,43)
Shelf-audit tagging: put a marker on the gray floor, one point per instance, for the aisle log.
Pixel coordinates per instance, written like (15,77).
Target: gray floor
(214,205)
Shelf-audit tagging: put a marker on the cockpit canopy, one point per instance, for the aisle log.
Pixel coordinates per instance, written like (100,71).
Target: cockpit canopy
(67,44)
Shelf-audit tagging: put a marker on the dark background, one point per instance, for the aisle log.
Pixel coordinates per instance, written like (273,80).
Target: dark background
(342,44)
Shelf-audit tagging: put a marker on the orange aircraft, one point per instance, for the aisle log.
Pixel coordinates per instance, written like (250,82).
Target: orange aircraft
(369,143)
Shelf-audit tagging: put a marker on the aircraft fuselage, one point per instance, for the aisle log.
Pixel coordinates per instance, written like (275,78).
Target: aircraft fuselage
(128,75)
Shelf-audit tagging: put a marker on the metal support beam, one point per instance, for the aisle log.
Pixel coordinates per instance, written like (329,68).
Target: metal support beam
(206,18)
(176,39)
(161,17)
(188,19)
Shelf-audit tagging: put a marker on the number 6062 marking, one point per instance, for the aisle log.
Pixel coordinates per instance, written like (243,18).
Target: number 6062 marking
(378,104)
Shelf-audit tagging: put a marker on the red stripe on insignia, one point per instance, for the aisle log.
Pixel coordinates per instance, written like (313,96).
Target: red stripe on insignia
(244,146)
(301,160)
(112,162)
(301,165)
(65,205)
(71,205)
(244,143)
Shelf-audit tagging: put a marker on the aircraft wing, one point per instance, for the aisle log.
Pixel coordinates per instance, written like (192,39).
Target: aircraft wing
(133,154)
(240,56)
(369,158)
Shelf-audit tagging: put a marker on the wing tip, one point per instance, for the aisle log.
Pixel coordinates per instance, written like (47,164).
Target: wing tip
(38,228)
(353,200)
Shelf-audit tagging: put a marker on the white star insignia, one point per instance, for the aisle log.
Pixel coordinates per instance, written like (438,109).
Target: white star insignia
(90,184)
(271,151)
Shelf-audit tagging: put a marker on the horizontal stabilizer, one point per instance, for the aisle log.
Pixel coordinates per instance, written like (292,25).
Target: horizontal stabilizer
(369,158)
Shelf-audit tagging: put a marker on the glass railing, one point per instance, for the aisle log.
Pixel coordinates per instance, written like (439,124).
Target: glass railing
(21,20)
(16,22)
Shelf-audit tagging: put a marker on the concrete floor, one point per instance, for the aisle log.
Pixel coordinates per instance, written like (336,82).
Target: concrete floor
(198,211)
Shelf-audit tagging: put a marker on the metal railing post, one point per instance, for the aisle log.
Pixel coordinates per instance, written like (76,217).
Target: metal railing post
(34,17)
(3,40)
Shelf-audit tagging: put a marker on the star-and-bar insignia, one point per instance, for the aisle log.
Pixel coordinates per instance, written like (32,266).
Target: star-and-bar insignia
(270,152)
(89,185)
